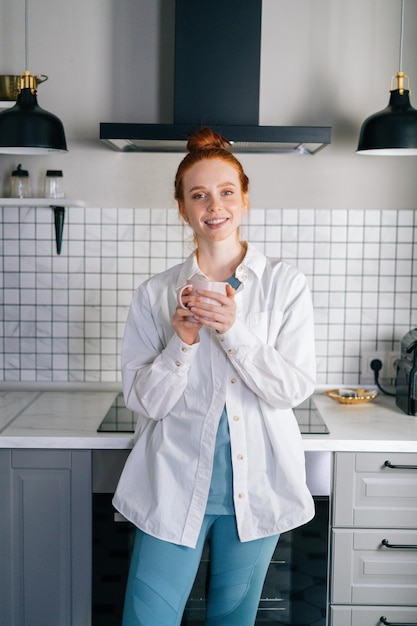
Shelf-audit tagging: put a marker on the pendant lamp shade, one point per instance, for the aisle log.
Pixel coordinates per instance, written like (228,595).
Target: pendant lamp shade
(392,131)
(26,128)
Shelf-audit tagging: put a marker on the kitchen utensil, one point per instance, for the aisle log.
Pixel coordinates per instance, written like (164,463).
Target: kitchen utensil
(9,85)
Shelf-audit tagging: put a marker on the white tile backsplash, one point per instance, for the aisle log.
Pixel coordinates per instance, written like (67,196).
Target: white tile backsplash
(62,317)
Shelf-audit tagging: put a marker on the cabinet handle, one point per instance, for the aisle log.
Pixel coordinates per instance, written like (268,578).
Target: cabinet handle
(391,466)
(401,546)
(383,620)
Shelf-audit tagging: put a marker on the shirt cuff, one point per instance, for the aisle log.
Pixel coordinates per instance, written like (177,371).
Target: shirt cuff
(178,355)
(238,339)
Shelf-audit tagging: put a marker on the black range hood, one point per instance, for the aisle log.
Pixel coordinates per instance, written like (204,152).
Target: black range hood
(217,77)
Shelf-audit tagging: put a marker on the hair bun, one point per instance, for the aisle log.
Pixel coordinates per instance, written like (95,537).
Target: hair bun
(206,139)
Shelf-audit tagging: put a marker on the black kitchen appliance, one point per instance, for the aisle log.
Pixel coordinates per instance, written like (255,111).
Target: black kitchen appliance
(406,382)
(232,71)
(295,589)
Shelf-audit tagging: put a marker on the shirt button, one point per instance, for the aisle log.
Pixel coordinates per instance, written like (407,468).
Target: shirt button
(184,349)
(240,457)
(231,351)
(241,495)
(236,418)
(178,363)
(233,381)
(221,339)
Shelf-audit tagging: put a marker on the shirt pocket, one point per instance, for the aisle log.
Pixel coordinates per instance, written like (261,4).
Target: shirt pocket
(265,324)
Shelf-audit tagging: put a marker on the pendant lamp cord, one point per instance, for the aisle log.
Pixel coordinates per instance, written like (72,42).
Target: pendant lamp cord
(401,36)
(26,34)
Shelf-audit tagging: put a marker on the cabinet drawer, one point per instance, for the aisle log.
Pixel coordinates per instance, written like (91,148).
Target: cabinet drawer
(370,615)
(370,494)
(367,572)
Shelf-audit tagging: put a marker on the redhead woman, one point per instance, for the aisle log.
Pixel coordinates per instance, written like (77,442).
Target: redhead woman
(217,448)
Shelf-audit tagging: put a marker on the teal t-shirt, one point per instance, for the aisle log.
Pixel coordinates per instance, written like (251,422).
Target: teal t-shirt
(220,499)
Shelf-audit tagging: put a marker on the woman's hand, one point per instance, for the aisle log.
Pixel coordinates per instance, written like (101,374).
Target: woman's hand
(186,328)
(220,315)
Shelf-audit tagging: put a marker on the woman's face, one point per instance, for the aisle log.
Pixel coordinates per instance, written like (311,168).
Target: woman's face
(213,201)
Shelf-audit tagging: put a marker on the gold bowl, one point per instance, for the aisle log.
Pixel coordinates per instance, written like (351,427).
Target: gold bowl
(9,85)
(352,395)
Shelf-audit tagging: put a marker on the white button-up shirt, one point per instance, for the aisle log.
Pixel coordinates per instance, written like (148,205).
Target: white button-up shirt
(260,368)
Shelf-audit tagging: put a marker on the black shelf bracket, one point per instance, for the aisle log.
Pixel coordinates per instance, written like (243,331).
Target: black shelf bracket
(59,217)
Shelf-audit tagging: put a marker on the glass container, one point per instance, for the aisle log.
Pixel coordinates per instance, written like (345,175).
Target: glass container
(54,184)
(20,183)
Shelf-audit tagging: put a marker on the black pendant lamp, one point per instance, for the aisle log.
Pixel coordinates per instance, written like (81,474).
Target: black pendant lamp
(26,128)
(392,131)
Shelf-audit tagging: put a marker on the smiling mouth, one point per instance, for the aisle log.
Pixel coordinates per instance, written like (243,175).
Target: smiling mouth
(217,221)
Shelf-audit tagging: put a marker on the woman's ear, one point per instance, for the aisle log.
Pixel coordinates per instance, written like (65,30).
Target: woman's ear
(181,211)
(245,200)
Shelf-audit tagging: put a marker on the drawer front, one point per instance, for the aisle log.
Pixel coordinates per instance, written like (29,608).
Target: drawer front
(370,615)
(364,571)
(370,494)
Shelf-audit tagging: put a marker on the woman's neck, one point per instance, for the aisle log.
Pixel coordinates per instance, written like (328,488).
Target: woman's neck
(220,262)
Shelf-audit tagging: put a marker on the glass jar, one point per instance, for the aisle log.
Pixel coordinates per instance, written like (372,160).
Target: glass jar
(54,184)
(20,183)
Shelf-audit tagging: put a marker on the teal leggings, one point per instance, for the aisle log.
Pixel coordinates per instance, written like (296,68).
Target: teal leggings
(162,574)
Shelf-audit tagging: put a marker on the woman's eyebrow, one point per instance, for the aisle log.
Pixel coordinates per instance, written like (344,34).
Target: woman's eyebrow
(225,184)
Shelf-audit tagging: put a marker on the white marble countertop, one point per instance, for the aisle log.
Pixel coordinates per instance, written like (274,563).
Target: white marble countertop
(376,426)
(69,418)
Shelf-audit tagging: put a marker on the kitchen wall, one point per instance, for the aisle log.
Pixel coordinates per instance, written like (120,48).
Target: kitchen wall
(326,62)
(348,221)
(63,316)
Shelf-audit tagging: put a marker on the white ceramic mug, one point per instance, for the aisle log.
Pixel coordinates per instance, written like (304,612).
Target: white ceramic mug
(199,284)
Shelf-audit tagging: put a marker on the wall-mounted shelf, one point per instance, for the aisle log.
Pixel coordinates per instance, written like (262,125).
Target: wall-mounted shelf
(41,202)
(56,204)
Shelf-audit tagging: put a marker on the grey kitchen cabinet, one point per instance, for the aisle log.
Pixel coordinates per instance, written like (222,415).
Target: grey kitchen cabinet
(45,537)
(370,615)
(374,539)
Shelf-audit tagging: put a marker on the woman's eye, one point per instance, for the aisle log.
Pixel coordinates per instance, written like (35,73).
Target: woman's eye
(198,196)
(227,192)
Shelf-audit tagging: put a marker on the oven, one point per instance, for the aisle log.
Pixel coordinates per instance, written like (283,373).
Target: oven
(296,586)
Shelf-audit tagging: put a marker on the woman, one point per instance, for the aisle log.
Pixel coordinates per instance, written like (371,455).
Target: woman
(217,447)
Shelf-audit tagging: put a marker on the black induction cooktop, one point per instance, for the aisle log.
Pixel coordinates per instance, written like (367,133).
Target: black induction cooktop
(119,419)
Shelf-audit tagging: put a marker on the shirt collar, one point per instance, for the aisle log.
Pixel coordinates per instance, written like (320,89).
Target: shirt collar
(188,270)
(254,261)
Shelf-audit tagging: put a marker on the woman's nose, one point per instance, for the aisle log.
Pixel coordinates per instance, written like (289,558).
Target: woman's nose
(214,205)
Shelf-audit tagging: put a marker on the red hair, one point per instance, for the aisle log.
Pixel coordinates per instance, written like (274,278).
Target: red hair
(206,144)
